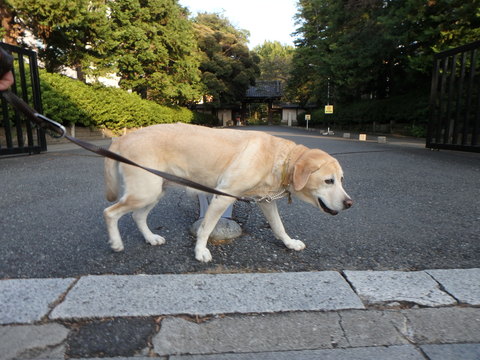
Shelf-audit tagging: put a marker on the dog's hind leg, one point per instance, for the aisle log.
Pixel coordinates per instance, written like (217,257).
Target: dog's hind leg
(111,215)
(142,192)
(270,211)
(140,217)
(141,208)
(217,207)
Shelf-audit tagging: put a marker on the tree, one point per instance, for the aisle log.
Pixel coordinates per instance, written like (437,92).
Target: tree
(74,33)
(156,55)
(419,29)
(275,60)
(228,67)
(376,48)
(342,44)
(10,31)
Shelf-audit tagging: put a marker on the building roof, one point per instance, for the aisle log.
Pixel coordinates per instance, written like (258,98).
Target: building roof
(265,90)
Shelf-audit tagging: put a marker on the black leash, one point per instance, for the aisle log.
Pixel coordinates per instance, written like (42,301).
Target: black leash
(58,131)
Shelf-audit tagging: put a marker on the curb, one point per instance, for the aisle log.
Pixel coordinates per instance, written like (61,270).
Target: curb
(308,315)
(26,301)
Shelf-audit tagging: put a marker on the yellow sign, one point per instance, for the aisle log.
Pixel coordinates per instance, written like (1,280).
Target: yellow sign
(328,109)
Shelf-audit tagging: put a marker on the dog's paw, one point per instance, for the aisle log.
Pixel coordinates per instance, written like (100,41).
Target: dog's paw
(203,255)
(155,240)
(296,245)
(117,247)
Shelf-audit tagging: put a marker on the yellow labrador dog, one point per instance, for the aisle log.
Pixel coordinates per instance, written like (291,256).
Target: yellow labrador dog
(241,163)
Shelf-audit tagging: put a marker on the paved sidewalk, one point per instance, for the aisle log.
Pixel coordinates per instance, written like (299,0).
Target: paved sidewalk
(431,314)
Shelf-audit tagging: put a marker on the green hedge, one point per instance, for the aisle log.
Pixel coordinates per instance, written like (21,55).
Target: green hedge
(70,101)
(410,111)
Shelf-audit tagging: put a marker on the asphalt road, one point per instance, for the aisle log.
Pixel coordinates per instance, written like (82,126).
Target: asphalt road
(414,209)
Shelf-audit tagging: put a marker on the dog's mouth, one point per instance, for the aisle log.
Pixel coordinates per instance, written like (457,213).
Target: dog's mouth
(326,208)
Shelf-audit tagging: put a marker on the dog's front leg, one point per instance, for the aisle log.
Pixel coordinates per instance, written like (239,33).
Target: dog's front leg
(217,207)
(270,211)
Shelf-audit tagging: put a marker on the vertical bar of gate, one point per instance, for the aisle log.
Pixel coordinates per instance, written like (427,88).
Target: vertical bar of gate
(441,96)
(23,83)
(6,125)
(18,121)
(37,101)
(434,99)
(459,100)
(476,124)
(466,118)
(447,135)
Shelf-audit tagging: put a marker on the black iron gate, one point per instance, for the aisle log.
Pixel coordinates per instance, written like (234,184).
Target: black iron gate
(455,100)
(17,135)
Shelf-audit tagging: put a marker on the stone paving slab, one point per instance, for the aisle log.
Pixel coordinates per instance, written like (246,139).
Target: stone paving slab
(290,331)
(372,328)
(206,294)
(317,330)
(32,342)
(262,333)
(452,351)
(441,325)
(463,284)
(28,300)
(404,352)
(393,287)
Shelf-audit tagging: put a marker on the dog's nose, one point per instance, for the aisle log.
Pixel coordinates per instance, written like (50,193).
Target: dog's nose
(348,203)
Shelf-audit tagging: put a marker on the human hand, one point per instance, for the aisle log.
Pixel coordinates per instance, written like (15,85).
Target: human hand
(6,80)
(6,66)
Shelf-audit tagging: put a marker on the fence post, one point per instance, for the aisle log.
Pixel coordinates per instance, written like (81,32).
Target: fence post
(28,139)
(225,229)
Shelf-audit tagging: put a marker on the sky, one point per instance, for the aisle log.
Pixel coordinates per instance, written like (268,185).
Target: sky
(270,20)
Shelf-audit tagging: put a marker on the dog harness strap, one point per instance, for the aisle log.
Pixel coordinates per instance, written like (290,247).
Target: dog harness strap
(59,131)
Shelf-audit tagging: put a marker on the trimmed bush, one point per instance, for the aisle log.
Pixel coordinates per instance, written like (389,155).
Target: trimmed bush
(410,110)
(70,101)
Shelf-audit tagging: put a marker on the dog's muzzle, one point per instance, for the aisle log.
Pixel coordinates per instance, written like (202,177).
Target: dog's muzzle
(347,204)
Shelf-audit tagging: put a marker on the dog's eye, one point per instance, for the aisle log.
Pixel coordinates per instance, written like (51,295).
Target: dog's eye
(329,181)
(342,179)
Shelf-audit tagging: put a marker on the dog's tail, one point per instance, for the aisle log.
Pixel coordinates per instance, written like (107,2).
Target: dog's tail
(112,177)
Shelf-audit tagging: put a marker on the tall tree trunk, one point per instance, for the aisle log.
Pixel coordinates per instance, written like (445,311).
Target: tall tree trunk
(80,73)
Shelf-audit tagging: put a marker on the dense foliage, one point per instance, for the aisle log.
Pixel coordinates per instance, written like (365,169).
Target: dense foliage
(375,49)
(405,114)
(275,60)
(70,101)
(227,65)
(73,33)
(372,59)
(156,52)
(150,44)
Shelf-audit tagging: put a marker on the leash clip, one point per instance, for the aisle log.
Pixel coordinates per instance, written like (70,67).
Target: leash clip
(57,130)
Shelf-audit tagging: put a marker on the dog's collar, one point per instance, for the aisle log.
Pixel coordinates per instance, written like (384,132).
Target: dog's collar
(284,182)
(275,196)
(285,176)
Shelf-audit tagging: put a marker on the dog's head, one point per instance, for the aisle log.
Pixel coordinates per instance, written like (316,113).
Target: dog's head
(317,179)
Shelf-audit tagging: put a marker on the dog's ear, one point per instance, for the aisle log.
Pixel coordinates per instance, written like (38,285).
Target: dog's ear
(302,170)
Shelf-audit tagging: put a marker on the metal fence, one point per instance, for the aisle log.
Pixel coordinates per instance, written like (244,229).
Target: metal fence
(17,135)
(455,100)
